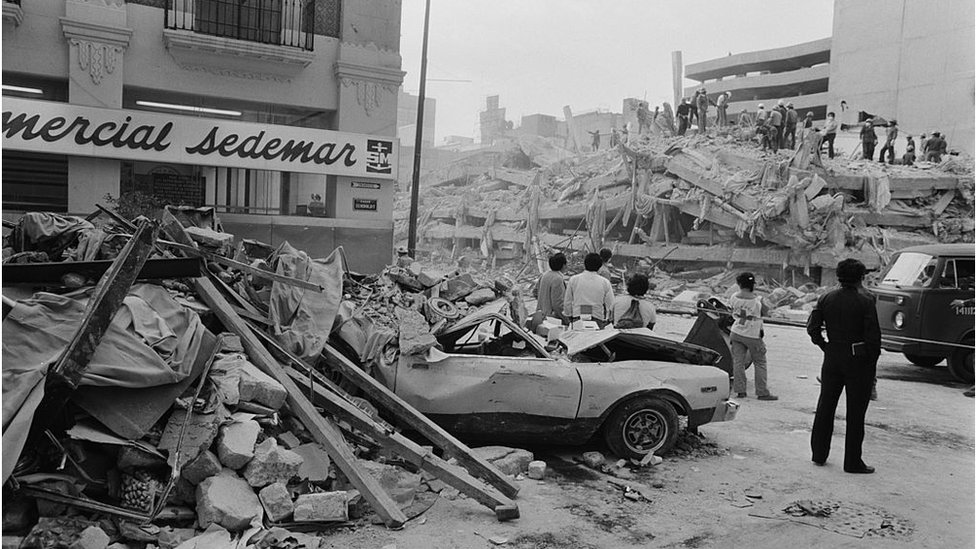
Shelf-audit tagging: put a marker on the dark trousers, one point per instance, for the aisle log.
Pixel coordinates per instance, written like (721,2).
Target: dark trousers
(867,148)
(776,137)
(842,372)
(789,137)
(682,124)
(890,148)
(829,139)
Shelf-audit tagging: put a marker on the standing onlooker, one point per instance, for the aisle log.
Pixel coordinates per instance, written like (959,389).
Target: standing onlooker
(908,158)
(868,140)
(943,145)
(633,310)
(933,148)
(923,142)
(614,137)
(683,112)
(702,104)
(747,335)
(766,135)
(789,124)
(643,117)
(552,288)
(693,110)
(761,115)
(851,353)
(891,133)
(830,133)
(606,254)
(722,106)
(596,139)
(588,294)
(776,124)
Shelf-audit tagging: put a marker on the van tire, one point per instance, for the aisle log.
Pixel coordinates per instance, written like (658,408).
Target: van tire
(961,362)
(924,361)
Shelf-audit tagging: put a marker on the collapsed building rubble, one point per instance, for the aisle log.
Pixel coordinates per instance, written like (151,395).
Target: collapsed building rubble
(691,201)
(163,385)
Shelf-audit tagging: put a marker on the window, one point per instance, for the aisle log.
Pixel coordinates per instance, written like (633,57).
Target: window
(958,274)
(280,22)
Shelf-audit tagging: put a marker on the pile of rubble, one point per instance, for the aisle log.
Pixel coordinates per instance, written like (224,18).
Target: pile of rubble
(164,387)
(701,199)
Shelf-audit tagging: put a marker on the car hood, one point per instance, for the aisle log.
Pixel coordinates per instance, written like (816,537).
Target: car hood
(578,341)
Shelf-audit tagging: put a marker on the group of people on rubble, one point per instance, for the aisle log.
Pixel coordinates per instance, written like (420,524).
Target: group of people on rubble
(777,127)
(846,315)
(696,110)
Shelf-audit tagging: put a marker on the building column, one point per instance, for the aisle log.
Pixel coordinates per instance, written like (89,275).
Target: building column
(97,38)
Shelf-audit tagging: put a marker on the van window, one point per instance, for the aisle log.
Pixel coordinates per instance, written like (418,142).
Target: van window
(958,274)
(911,269)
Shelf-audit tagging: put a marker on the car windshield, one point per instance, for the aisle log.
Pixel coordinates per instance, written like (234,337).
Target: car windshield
(911,269)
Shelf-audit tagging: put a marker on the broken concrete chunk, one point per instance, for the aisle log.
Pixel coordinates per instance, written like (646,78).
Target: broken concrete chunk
(92,537)
(238,380)
(315,462)
(200,433)
(276,501)
(289,440)
(236,445)
(480,297)
(203,466)
(537,470)
(210,238)
(415,336)
(460,286)
(322,507)
(593,459)
(510,461)
(401,484)
(271,463)
(171,538)
(227,499)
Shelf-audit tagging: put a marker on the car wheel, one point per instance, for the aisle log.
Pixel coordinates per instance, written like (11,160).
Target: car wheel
(961,363)
(641,426)
(924,361)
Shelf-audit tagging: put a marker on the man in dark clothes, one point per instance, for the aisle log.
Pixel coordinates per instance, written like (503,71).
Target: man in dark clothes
(909,158)
(868,140)
(596,139)
(830,133)
(789,124)
(851,353)
(933,148)
(702,102)
(683,112)
(891,134)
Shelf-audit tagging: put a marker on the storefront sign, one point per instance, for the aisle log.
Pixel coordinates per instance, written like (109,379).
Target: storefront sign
(62,128)
(368,204)
(366,185)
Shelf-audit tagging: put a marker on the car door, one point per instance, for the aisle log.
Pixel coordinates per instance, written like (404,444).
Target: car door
(941,320)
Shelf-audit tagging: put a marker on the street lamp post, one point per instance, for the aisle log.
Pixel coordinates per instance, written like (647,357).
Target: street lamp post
(418,143)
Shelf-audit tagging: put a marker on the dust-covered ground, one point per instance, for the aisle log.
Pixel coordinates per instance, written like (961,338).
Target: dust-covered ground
(920,437)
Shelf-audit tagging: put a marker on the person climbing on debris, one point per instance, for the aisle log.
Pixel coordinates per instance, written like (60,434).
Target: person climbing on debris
(747,335)
(789,125)
(868,140)
(551,288)
(943,146)
(643,118)
(908,158)
(933,148)
(767,134)
(702,102)
(596,139)
(606,255)
(776,122)
(684,113)
(722,106)
(589,296)
(614,137)
(891,134)
(851,352)
(761,115)
(830,133)
(634,310)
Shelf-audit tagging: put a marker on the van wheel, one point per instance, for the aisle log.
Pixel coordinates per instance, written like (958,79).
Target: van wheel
(641,426)
(924,361)
(961,362)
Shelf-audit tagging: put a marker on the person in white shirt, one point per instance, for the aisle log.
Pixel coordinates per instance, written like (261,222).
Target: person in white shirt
(633,310)
(588,294)
(747,331)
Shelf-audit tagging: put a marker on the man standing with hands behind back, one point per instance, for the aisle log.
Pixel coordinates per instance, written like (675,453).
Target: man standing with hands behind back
(851,353)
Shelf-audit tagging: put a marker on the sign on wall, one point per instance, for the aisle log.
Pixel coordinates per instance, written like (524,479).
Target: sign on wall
(62,128)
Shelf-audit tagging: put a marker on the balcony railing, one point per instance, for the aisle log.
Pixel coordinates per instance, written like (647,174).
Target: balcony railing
(279,22)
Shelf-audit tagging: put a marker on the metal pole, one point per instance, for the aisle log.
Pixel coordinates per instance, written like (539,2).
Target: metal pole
(418,143)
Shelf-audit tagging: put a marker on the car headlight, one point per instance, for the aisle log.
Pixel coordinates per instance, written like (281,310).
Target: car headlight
(899,320)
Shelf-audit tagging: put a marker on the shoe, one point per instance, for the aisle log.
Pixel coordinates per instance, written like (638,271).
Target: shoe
(767,397)
(819,463)
(862,470)
(740,395)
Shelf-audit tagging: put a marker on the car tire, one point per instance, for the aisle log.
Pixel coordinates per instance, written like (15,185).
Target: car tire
(641,426)
(924,361)
(961,362)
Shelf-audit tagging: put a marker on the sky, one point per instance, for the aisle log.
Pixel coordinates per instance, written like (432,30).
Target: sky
(539,55)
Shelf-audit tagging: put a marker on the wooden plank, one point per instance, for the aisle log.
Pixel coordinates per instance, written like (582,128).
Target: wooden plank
(409,450)
(437,435)
(943,202)
(322,430)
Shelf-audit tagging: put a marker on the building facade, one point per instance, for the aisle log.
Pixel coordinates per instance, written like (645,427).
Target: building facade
(281,114)
(798,74)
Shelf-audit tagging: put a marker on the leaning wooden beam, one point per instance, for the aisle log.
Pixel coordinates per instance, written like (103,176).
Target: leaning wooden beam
(436,434)
(322,430)
(454,476)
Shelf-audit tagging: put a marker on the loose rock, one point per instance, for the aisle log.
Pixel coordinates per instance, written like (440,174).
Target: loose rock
(315,462)
(276,501)
(322,507)
(236,445)
(593,459)
(205,465)
(92,537)
(227,500)
(271,463)
(537,470)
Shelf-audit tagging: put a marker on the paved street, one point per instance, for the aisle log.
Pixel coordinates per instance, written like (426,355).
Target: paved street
(919,436)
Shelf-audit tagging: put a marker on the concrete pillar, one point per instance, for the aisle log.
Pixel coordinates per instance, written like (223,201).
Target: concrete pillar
(97,38)
(677,76)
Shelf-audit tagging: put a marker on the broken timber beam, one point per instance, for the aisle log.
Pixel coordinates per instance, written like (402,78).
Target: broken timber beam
(322,429)
(435,433)
(454,476)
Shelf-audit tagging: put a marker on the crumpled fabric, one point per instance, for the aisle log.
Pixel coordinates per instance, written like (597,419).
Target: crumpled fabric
(303,318)
(49,232)
(151,341)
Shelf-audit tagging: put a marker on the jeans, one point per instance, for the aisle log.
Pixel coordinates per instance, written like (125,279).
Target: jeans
(757,348)
(829,139)
(890,148)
